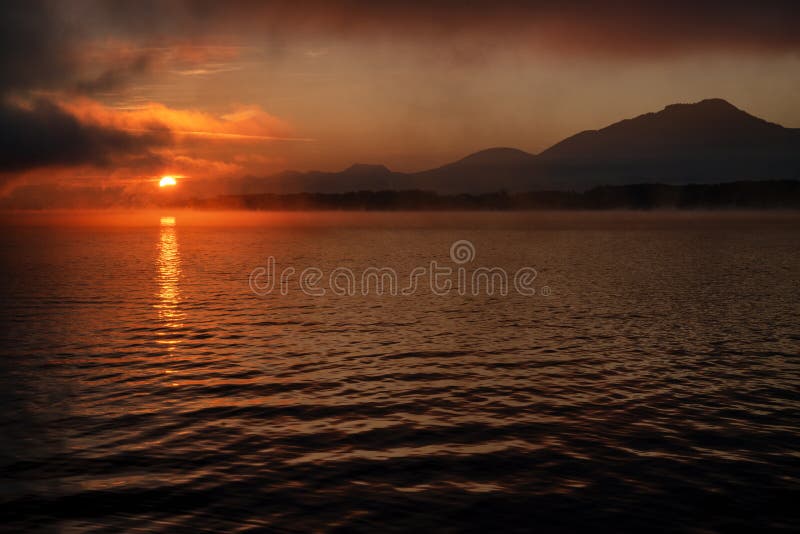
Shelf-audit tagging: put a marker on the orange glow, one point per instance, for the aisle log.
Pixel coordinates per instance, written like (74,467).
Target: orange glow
(167,181)
(168,276)
(242,123)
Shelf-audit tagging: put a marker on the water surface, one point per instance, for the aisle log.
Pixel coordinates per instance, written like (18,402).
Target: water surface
(143,385)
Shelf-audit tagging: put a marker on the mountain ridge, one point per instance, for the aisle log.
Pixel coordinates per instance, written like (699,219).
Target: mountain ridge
(709,141)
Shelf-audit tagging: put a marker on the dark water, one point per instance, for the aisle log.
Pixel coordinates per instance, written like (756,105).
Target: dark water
(143,385)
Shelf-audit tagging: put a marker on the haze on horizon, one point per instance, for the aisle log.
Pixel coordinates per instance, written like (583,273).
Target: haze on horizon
(109,93)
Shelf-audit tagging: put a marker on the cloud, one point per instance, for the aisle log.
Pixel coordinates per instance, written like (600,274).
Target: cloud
(117,76)
(243,123)
(47,59)
(41,134)
(44,43)
(583,27)
(40,53)
(36,46)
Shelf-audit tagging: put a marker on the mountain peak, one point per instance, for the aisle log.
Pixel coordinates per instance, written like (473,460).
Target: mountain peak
(495,156)
(366,169)
(693,130)
(708,108)
(708,103)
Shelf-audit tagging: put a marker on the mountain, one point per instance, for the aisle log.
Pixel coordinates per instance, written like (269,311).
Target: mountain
(710,141)
(679,128)
(482,172)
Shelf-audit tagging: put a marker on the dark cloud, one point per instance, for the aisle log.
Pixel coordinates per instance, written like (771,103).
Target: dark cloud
(43,134)
(40,51)
(36,46)
(616,27)
(42,43)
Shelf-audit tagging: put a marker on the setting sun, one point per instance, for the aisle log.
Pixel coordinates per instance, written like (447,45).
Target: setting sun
(167,181)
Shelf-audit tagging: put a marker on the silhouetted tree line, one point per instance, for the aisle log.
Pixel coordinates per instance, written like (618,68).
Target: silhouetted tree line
(733,195)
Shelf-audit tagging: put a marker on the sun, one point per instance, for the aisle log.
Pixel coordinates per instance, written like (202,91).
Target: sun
(167,181)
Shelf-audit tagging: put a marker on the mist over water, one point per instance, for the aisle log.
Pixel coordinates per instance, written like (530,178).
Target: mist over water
(143,385)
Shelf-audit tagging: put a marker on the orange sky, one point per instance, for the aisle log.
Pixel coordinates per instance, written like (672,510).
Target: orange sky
(115,93)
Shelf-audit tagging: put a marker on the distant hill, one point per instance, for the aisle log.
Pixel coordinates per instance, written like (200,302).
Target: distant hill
(489,170)
(706,142)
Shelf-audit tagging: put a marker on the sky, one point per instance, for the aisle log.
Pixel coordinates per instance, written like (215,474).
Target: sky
(113,95)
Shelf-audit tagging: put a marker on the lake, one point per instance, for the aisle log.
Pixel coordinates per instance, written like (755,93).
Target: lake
(644,375)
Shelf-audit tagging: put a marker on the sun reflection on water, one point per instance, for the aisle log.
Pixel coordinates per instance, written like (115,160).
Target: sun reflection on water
(168,277)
